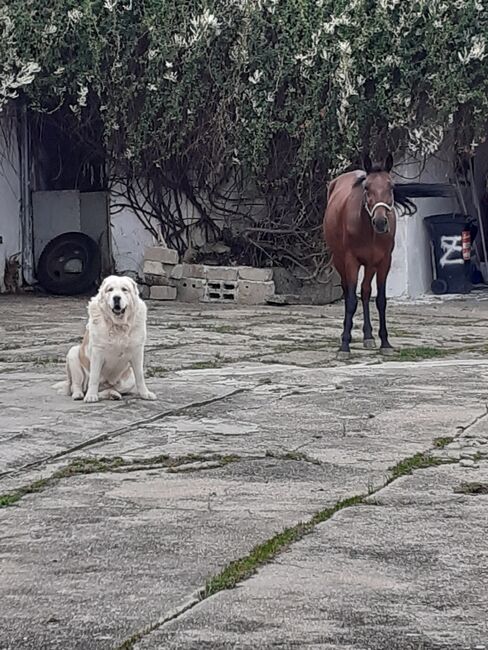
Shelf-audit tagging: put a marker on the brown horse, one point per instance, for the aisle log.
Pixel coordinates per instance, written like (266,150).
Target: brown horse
(359,230)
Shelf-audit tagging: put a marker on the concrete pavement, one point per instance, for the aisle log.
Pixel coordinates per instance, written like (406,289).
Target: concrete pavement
(247,507)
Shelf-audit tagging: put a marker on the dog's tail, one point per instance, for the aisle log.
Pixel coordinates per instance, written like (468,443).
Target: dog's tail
(62,387)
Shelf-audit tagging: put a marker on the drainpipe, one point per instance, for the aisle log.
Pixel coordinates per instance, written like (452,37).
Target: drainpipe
(25,195)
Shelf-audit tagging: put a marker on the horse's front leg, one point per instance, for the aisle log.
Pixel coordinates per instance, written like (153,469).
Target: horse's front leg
(383,271)
(368,340)
(350,303)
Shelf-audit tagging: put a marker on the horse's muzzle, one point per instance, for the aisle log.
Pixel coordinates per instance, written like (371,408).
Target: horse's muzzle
(380,225)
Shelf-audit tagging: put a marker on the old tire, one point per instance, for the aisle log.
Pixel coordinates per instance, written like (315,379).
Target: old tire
(69,264)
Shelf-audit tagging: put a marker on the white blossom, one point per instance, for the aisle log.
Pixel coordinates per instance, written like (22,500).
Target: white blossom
(256,76)
(477,51)
(74,16)
(82,95)
(170,76)
(49,30)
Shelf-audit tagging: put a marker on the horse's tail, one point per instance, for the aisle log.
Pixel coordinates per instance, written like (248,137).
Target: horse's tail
(405,192)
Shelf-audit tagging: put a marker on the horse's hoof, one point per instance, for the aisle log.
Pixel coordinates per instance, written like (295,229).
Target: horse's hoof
(343,354)
(387,352)
(369,344)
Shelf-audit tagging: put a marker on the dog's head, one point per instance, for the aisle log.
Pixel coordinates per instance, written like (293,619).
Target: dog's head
(118,297)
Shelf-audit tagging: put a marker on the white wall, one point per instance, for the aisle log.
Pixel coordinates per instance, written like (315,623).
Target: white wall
(129,237)
(10,226)
(411,273)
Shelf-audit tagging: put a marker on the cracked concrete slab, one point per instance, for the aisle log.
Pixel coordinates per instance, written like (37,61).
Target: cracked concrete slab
(89,561)
(405,573)
(92,559)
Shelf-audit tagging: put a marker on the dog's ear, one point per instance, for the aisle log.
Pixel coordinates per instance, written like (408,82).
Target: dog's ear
(135,288)
(103,286)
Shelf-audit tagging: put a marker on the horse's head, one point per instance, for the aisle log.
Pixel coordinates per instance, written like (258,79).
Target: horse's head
(378,193)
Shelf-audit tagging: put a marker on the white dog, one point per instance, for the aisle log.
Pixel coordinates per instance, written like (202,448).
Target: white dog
(109,361)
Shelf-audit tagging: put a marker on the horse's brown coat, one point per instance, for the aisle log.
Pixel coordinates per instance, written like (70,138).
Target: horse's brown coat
(354,239)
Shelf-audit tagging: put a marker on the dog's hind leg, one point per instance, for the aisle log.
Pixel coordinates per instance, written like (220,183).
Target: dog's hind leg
(76,375)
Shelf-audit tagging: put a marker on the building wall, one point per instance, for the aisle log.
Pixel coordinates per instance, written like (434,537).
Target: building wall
(129,237)
(411,273)
(10,225)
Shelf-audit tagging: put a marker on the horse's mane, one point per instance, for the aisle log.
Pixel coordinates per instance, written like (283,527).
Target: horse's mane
(403,193)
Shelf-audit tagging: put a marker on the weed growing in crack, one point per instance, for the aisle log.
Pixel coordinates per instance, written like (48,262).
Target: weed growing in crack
(156,371)
(442,442)
(263,553)
(418,461)
(472,488)
(292,455)
(422,353)
(117,464)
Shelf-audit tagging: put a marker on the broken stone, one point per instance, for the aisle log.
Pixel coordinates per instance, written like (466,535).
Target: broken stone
(160,254)
(163,293)
(153,268)
(255,274)
(193,271)
(221,273)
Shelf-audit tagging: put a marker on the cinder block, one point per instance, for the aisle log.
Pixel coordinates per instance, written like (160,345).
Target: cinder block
(221,273)
(221,291)
(255,275)
(254,293)
(163,293)
(190,289)
(160,254)
(193,271)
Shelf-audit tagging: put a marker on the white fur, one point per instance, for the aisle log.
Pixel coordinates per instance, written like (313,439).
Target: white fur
(109,362)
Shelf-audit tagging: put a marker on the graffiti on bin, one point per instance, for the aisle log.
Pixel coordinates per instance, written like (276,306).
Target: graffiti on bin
(451,246)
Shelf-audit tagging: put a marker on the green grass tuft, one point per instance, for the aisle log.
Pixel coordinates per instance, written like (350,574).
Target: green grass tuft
(421,353)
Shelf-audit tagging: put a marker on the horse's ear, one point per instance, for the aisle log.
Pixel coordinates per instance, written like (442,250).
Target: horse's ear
(388,166)
(367,163)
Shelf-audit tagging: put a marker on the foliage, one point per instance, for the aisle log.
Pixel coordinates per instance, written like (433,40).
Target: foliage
(247,107)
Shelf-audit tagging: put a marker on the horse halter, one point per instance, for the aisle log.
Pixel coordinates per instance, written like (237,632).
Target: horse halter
(380,204)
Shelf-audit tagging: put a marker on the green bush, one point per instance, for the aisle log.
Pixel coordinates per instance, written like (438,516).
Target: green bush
(191,94)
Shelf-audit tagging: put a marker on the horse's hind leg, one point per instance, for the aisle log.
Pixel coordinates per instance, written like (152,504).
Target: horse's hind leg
(383,270)
(368,340)
(350,282)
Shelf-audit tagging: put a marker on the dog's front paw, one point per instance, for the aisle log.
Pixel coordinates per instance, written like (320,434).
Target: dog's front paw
(148,395)
(91,397)
(77,394)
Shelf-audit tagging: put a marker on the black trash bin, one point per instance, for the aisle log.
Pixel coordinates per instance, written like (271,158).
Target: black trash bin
(451,272)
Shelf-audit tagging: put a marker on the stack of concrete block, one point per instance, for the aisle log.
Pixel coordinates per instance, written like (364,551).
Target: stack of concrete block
(229,284)
(160,271)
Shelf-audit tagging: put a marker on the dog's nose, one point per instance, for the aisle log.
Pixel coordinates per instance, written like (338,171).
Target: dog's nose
(116,300)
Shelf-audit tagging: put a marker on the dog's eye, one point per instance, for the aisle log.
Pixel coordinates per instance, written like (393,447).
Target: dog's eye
(125,290)
(110,289)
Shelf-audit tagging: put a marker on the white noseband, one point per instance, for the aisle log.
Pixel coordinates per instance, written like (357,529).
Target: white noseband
(380,204)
